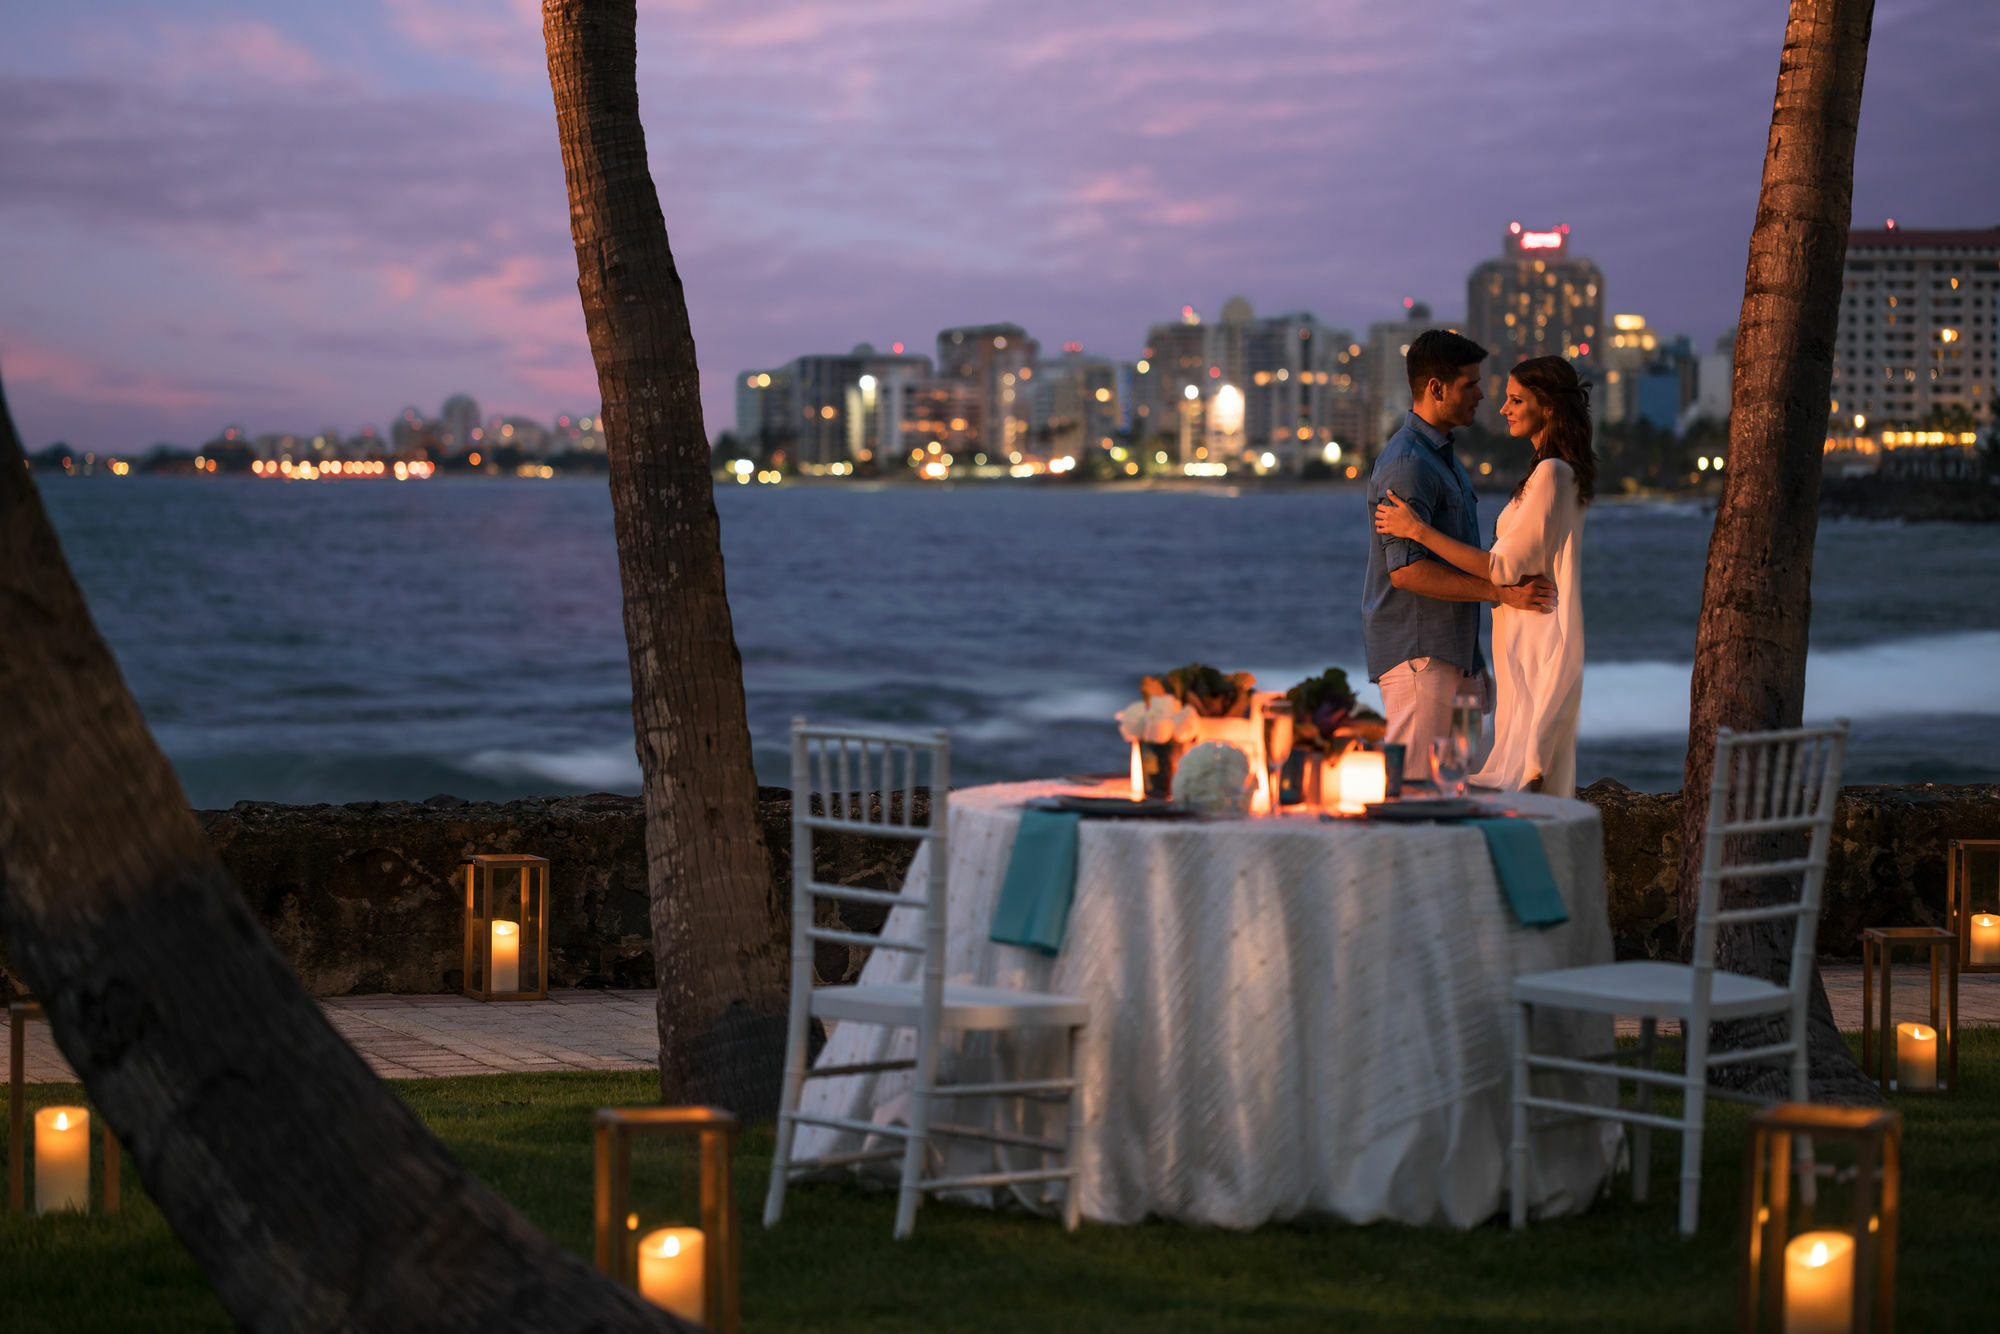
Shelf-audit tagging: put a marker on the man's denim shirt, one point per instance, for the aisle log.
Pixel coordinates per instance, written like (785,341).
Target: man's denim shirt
(1418,464)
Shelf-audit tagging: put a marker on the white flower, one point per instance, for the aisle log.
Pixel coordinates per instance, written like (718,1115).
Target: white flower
(1158,719)
(1214,776)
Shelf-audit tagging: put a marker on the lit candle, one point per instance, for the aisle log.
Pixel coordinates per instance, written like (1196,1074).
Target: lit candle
(1363,777)
(1138,775)
(506,957)
(62,1159)
(1819,1283)
(1916,1057)
(1985,944)
(670,1270)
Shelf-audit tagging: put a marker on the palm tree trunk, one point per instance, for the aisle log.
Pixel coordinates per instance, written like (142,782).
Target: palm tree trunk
(1750,650)
(309,1194)
(719,934)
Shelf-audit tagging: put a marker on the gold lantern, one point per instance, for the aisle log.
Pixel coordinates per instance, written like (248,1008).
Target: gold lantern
(506,927)
(1815,1264)
(62,1137)
(1975,918)
(1909,1058)
(691,1271)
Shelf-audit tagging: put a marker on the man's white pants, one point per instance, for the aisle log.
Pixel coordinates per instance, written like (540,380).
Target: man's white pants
(1417,696)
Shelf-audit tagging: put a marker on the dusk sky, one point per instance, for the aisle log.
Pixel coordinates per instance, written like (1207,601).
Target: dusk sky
(292,216)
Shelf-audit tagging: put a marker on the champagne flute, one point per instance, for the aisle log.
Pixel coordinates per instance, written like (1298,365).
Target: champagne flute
(1276,717)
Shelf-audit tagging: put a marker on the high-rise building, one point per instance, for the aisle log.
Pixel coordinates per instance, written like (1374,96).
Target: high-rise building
(456,421)
(1535,300)
(1717,379)
(840,418)
(1917,335)
(1305,389)
(1174,361)
(766,421)
(1388,379)
(1077,402)
(997,361)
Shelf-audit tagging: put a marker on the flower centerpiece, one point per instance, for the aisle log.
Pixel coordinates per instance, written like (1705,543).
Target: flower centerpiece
(1205,690)
(1326,720)
(1156,726)
(1215,777)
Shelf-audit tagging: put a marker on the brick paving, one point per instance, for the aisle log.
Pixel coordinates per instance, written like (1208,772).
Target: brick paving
(417,1037)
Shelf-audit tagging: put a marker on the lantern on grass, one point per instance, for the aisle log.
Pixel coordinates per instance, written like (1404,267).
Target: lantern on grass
(61,1140)
(506,927)
(1910,1057)
(1821,1259)
(644,1240)
(1975,913)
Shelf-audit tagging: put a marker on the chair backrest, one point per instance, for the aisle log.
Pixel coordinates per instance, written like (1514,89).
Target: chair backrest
(1767,786)
(852,781)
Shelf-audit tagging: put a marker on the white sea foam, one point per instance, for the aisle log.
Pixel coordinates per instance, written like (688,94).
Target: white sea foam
(607,768)
(1937,674)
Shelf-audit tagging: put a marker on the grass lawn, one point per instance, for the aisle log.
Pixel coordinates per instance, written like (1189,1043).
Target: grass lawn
(832,1266)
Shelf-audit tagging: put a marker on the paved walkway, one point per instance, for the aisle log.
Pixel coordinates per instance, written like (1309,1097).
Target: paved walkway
(404,1037)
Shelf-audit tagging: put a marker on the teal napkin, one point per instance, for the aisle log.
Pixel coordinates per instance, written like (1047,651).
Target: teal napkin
(1041,879)
(1523,870)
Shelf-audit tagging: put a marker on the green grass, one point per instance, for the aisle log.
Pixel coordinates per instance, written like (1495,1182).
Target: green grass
(833,1267)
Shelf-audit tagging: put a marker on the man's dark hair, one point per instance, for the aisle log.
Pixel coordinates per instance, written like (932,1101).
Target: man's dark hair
(1439,354)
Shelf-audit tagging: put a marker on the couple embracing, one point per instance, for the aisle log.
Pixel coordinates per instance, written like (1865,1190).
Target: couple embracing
(1428,574)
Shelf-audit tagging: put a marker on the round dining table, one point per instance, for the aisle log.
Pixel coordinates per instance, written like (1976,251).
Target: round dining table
(1291,1016)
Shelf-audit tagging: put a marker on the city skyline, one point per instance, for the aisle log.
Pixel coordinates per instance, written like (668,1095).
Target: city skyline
(229,213)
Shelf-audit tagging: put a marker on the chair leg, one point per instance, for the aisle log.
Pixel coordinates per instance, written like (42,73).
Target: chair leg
(788,1106)
(1517,1150)
(1802,1092)
(917,1149)
(1073,1144)
(1694,1105)
(1642,1134)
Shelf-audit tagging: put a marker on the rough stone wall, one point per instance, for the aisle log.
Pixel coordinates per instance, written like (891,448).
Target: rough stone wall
(367,897)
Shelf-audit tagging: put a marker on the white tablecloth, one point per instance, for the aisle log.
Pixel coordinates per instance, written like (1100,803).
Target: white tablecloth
(1288,1017)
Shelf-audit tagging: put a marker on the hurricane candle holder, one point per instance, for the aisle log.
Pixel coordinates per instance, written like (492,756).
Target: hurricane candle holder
(1923,1059)
(1815,1263)
(1974,915)
(61,1143)
(506,927)
(691,1271)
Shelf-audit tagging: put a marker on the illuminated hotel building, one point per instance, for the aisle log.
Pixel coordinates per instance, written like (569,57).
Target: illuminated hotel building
(846,408)
(997,362)
(1536,300)
(1388,377)
(1917,334)
(1305,389)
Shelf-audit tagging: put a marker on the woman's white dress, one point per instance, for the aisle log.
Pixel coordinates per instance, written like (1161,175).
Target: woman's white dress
(1537,656)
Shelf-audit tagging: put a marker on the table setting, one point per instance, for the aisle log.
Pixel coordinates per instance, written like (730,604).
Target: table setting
(1298,968)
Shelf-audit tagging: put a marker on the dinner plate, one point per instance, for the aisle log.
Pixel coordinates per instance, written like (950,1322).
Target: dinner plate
(1428,808)
(1110,808)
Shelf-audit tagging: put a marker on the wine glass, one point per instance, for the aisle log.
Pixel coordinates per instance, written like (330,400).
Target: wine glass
(1276,717)
(1450,758)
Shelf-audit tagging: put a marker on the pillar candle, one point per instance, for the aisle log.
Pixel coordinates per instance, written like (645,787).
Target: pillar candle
(1819,1283)
(1985,942)
(1138,775)
(62,1159)
(1916,1057)
(506,957)
(1363,778)
(671,1262)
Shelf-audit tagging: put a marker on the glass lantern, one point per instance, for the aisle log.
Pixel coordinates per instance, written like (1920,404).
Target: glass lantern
(1974,910)
(1821,1259)
(643,1240)
(61,1141)
(1909,1057)
(506,927)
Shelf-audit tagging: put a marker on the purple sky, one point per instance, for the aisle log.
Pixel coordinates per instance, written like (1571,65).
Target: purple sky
(297,216)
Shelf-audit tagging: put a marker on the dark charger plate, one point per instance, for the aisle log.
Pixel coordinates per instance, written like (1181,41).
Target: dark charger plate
(1110,808)
(1429,808)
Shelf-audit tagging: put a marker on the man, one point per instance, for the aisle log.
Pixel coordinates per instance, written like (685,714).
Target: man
(1420,616)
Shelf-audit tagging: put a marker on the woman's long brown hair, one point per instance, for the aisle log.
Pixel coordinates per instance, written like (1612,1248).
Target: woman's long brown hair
(1566,396)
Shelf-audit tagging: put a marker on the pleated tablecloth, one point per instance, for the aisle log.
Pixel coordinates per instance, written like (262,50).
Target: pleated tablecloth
(1288,1017)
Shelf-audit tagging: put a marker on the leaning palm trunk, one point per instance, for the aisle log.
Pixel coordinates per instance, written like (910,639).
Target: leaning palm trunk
(1750,650)
(719,936)
(310,1195)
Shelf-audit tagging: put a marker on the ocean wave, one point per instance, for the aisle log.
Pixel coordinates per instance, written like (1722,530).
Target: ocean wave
(613,767)
(1933,675)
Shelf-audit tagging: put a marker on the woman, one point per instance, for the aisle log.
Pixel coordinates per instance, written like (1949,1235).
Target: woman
(1537,658)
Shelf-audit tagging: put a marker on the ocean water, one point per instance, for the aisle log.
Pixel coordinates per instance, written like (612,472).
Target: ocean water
(340,642)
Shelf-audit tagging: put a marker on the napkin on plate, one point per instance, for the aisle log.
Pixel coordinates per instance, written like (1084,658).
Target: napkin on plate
(1033,910)
(1523,871)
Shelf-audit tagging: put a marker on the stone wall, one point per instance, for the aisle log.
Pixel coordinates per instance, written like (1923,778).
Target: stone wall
(366,897)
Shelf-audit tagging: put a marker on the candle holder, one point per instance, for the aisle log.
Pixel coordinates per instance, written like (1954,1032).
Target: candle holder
(1812,1266)
(18,1014)
(1975,919)
(506,927)
(634,1245)
(1936,1071)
